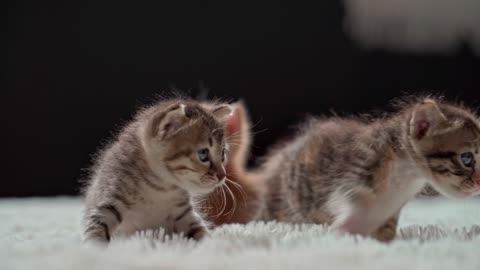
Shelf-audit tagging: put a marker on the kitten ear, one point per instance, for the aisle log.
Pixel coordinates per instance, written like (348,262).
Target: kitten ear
(238,133)
(167,123)
(425,119)
(221,112)
(237,119)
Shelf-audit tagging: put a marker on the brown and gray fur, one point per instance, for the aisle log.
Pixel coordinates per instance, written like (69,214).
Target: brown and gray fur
(244,191)
(149,176)
(356,174)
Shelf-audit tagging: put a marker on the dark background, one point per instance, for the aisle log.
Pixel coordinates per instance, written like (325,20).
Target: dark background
(76,70)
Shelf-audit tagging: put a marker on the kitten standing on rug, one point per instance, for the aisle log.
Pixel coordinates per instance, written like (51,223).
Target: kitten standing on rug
(148,176)
(356,175)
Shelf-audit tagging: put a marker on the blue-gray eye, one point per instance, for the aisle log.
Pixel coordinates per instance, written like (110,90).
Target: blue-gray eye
(467,159)
(203,155)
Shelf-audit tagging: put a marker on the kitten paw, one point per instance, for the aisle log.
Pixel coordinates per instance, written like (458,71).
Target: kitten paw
(95,241)
(387,231)
(96,237)
(384,234)
(197,233)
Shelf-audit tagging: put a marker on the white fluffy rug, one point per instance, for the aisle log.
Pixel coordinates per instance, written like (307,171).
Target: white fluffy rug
(434,234)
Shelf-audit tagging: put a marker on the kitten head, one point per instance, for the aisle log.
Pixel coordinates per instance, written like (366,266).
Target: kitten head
(186,142)
(447,139)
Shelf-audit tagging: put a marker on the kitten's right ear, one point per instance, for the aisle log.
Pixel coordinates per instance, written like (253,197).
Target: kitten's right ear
(426,117)
(238,119)
(237,125)
(167,123)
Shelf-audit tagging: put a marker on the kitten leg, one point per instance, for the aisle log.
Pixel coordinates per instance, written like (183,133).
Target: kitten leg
(190,223)
(353,224)
(349,215)
(388,230)
(100,222)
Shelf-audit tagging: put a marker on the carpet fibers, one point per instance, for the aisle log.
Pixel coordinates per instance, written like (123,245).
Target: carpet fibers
(433,234)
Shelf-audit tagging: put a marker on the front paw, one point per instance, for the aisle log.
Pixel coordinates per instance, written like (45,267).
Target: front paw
(384,234)
(96,239)
(197,233)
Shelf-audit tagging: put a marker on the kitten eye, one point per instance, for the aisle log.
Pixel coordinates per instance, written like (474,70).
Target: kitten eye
(203,155)
(467,159)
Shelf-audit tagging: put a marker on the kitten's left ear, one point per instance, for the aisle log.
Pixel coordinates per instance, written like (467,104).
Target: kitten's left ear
(221,112)
(165,124)
(426,117)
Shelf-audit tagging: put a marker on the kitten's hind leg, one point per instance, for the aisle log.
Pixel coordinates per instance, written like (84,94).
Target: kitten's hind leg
(191,224)
(100,222)
(388,230)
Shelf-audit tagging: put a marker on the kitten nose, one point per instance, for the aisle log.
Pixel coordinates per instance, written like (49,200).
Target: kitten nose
(219,171)
(221,175)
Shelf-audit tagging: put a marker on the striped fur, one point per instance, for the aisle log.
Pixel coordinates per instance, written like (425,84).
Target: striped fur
(357,174)
(148,176)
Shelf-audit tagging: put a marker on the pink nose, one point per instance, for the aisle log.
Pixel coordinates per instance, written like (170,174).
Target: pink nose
(220,175)
(218,170)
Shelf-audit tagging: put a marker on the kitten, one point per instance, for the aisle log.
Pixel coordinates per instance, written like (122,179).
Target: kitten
(149,175)
(356,175)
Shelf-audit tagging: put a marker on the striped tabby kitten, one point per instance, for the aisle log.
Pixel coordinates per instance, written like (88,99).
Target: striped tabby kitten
(148,176)
(357,175)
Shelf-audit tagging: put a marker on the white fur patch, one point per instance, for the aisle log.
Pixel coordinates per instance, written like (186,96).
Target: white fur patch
(403,182)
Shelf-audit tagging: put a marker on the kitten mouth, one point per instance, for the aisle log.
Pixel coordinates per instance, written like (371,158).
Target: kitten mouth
(477,186)
(478,182)
(209,180)
(470,186)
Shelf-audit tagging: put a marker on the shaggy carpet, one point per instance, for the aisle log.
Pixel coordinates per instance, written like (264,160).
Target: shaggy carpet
(433,234)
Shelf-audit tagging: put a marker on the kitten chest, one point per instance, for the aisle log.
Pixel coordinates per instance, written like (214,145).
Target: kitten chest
(155,209)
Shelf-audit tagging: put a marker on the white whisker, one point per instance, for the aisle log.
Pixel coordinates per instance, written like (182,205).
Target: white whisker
(240,189)
(223,204)
(234,201)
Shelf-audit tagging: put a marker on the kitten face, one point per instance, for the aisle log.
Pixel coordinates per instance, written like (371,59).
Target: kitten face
(200,165)
(454,163)
(449,140)
(189,140)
